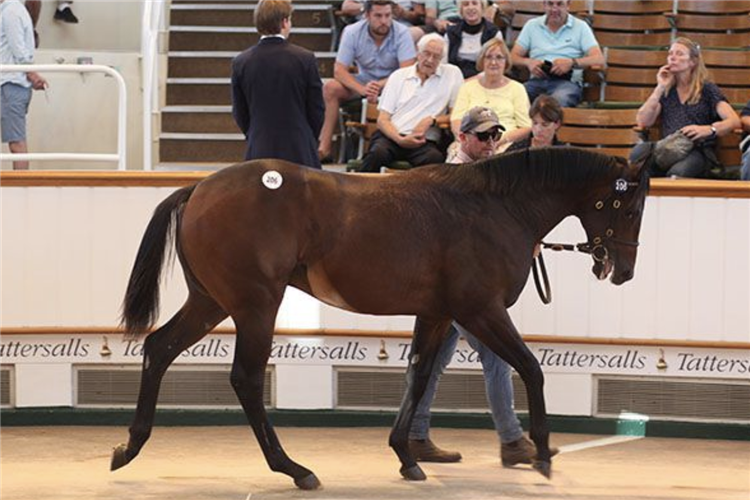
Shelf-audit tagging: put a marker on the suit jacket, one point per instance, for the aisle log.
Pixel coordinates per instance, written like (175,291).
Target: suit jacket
(277,101)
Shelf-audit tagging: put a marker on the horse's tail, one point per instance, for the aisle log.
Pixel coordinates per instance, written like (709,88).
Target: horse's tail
(140,308)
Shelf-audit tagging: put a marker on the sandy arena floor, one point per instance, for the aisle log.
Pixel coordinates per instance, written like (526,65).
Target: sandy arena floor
(211,463)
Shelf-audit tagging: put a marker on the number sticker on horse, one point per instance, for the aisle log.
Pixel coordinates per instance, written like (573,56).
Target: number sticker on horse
(272,179)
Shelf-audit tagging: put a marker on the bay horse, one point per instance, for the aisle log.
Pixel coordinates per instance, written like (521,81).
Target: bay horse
(442,242)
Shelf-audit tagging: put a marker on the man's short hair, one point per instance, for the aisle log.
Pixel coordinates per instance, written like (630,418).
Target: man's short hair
(269,15)
(369,4)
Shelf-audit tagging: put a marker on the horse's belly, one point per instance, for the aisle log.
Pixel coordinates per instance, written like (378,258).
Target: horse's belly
(323,289)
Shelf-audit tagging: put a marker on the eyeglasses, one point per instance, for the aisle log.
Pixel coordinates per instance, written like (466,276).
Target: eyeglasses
(494,58)
(493,133)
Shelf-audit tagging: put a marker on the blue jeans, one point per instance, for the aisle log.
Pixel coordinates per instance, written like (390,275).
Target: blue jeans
(498,387)
(567,93)
(745,170)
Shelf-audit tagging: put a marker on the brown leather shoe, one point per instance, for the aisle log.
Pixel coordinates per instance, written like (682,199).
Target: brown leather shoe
(424,450)
(521,451)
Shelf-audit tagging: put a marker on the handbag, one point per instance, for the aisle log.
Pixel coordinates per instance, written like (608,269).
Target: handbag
(673,148)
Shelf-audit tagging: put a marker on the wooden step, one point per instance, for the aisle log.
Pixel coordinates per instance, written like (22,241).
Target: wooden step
(220,38)
(183,147)
(200,91)
(234,14)
(199,64)
(198,119)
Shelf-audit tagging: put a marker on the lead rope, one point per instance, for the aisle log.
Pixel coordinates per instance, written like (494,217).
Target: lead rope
(546,294)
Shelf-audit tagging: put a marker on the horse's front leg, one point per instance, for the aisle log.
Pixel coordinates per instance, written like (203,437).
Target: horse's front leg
(428,335)
(253,348)
(495,329)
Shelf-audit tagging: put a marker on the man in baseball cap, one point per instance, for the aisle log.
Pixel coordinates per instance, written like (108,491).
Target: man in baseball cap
(478,135)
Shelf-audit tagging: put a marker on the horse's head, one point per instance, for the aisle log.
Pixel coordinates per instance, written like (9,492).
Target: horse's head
(612,218)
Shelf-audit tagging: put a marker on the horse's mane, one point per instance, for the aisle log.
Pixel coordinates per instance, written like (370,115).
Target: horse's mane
(531,170)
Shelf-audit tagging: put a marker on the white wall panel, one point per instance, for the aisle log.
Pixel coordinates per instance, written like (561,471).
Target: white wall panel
(640,294)
(706,277)
(673,266)
(40,256)
(74,257)
(736,263)
(14,235)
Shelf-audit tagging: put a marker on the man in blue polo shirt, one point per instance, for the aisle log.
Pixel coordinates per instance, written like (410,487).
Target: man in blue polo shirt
(551,47)
(378,47)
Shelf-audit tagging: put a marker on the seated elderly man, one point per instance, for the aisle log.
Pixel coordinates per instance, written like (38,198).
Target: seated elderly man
(412,101)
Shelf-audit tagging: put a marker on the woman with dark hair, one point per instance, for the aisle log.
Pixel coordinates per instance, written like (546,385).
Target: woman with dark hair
(546,118)
(466,38)
(687,102)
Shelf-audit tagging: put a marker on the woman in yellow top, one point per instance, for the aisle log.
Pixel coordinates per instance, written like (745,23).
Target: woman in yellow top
(492,89)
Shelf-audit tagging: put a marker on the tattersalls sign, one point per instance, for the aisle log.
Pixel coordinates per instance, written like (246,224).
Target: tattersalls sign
(388,353)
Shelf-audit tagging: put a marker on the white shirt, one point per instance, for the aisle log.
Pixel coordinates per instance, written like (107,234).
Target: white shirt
(16,40)
(408,100)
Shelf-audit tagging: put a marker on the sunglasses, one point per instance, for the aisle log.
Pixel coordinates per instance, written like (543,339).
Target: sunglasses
(493,134)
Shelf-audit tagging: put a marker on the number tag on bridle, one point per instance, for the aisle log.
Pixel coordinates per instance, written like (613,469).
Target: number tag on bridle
(621,185)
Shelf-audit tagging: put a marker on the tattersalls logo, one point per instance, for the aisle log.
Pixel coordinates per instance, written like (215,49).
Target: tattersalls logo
(70,348)
(632,359)
(212,348)
(350,351)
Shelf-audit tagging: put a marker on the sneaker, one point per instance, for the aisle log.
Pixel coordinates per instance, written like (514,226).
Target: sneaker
(521,451)
(424,450)
(66,15)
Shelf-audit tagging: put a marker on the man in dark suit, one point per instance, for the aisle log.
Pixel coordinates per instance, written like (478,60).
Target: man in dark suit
(277,98)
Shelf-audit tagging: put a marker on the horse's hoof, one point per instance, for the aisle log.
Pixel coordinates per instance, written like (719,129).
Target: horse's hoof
(309,482)
(119,457)
(413,473)
(543,467)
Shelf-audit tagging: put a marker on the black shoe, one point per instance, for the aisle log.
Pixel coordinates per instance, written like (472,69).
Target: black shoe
(424,450)
(66,15)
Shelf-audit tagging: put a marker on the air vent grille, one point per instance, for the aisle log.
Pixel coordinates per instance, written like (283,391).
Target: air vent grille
(383,389)
(181,387)
(674,398)
(5,378)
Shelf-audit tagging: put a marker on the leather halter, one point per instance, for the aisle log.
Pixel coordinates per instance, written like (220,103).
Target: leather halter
(596,246)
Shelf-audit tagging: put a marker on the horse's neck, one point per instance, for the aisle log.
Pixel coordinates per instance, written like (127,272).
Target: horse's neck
(546,212)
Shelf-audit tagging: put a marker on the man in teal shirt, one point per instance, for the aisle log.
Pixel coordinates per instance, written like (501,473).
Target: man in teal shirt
(551,47)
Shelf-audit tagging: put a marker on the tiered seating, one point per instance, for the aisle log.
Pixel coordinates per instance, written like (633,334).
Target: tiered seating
(631,23)
(197,126)
(713,23)
(610,131)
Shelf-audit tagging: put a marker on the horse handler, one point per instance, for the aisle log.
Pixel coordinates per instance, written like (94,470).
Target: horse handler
(479,135)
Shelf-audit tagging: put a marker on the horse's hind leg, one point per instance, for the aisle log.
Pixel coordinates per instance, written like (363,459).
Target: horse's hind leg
(428,335)
(253,348)
(192,322)
(496,330)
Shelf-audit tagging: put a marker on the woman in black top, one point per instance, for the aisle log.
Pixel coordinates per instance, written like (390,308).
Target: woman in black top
(465,39)
(687,102)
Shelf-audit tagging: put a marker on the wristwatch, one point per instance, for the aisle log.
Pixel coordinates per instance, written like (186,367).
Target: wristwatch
(714,132)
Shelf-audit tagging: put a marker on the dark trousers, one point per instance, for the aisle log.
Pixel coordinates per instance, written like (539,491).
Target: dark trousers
(384,151)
